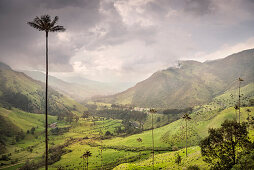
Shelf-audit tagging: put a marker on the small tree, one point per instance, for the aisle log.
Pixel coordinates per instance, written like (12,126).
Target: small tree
(178,158)
(223,145)
(140,141)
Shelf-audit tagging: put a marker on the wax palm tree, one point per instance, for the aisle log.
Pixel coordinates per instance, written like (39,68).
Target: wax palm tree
(44,23)
(236,108)
(186,117)
(86,155)
(248,119)
(240,80)
(153,111)
(139,140)
(101,136)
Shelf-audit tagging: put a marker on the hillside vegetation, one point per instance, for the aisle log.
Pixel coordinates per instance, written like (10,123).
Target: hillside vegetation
(191,83)
(20,91)
(203,117)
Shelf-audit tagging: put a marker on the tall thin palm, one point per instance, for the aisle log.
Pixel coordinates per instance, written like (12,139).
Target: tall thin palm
(153,111)
(44,23)
(186,117)
(86,155)
(239,102)
(140,141)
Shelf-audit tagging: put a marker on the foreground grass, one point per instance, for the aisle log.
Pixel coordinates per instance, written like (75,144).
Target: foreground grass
(167,161)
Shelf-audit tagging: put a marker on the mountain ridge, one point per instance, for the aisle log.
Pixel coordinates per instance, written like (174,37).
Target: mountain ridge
(192,83)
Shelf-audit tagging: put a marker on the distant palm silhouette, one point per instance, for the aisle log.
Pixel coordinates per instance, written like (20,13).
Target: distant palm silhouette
(236,108)
(153,111)
(44,23)
(186,117)
(86,155)
(140,141)
(240,80)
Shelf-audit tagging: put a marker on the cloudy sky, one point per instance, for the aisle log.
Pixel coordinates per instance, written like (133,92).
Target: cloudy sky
(123,40)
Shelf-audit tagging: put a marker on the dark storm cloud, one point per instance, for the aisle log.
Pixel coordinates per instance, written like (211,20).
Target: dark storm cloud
(198,7)
(17,44)
(121,36)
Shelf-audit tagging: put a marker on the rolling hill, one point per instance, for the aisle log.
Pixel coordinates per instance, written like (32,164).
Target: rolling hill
(78,88)
(191,83)
(20,91)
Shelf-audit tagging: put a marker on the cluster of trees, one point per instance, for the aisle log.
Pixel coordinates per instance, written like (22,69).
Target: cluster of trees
(31,131)
(59,131)
(129,118)
(20,136)
(122,114)
(18,100)
(228,147)
(175,114)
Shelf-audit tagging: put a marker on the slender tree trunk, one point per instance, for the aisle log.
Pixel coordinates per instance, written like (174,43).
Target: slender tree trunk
(101,152)
(83,163)
(248,122)
(239,101)
(235,115)
(46,105)
(153,140)
(186,138)
(87,162)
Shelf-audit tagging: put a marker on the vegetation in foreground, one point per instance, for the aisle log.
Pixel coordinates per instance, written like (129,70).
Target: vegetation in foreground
(90,132)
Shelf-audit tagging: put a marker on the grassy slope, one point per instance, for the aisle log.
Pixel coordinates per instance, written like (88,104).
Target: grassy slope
(12,82)
(167,161)
(25,121)
(83,128)
(171,135)
(203,117)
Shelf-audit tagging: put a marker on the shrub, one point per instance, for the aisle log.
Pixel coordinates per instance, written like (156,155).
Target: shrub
(193,167)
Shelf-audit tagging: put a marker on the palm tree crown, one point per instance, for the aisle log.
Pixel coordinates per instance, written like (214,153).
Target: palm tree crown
(87,154)
(44,23)
(186,116)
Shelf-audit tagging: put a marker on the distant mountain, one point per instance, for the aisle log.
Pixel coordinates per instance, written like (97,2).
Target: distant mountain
(190,84)
(20,91)
(79,88)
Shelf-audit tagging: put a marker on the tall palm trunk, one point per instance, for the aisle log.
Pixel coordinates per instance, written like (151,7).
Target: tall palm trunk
(44,23)
(153,140)
(46,105)
(186,138)
(239,101)
(87,162)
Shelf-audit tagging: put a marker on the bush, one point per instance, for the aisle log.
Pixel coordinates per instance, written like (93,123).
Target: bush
(178,158)
(193,167)
(108,133)
(5,158)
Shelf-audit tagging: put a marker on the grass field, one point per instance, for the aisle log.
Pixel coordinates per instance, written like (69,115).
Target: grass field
(85,135)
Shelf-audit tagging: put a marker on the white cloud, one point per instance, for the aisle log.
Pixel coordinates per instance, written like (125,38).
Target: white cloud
(225,50)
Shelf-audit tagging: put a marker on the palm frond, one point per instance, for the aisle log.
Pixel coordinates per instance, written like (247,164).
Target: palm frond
(38,21)
(36,26)
(57,28)
(46,19)
(52,24)
(186,116)
(44,23)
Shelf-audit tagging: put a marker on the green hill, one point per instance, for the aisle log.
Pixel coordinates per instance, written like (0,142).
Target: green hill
(191,83)
(203,117)
(20,91)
